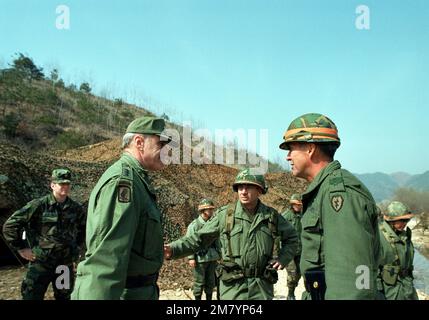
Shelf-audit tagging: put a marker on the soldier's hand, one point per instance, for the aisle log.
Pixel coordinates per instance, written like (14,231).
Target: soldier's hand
(168,252)
(27,254)
(192,263)
(278,266)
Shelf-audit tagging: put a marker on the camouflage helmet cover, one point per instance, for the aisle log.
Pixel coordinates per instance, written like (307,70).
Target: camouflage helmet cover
(295,199)
(206,204)
(61,176)
(311,127)
(245,177)
(397,211)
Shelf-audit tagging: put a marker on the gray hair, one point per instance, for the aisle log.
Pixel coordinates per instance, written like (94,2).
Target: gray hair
(128,138)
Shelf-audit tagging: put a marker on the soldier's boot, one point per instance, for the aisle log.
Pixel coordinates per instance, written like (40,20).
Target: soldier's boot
(198,297)
(209,296)
(291,293)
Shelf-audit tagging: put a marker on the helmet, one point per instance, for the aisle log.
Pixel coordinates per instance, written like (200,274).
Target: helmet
(295,199)
(206,204)
(244,177)
(397,211)
(311,127)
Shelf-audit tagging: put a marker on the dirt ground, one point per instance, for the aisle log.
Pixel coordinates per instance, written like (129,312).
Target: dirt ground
(11,277)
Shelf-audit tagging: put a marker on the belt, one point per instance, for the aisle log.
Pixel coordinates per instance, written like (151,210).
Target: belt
(141,281)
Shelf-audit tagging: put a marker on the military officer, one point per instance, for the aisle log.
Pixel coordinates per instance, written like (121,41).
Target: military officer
(54,228)
(248,231)
(396,264)
(204,261)
(124,236)
(339,237)
(293,215)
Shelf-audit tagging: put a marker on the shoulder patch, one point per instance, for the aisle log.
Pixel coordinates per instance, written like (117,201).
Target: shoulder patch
(337,202)
(124,193)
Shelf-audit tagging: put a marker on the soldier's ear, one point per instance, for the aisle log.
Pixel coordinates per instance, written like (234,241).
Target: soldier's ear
(311,149)
(139,140)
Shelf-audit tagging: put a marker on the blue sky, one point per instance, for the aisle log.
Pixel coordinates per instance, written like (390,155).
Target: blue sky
(249,64)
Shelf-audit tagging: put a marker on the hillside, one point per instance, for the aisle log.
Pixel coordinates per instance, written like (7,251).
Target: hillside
(419,182)
(383,186)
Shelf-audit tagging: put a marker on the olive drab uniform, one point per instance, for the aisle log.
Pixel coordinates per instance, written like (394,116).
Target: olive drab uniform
(395,279)
(124,237)
(396,264)
(247,243)
(293,270)
(55,233)
(340,239)
(204,272)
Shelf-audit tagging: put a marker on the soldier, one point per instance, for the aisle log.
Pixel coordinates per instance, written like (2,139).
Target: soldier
(248,231)
(397,251)
(54,226)
(124,233)
(339,236)
(293,215)
(204,261)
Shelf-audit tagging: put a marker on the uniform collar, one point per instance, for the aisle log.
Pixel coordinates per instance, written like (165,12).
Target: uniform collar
(132,162)
(52,201)
(260,212)
(397,237)
(200,219)
(321,176)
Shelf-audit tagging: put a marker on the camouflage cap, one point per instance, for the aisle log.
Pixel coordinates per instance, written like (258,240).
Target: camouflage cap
(295,199)
(206,204)
(311,127)
(149,125)
(398,211)
(61,176)
(245,177)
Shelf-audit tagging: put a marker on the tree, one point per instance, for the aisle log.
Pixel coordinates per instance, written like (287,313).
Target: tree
(118,103)
(60,83)
(54,75)
(165,117)
(85,87)
(27,68)
(417,201)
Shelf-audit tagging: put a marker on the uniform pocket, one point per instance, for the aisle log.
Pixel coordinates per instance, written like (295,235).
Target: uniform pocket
(311,237)
(235,241)
(49,223)
(153,237)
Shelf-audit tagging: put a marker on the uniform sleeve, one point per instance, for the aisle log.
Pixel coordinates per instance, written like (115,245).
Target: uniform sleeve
(15,225)
(80,237)
(289,241)
(113,228)
(198,240)
(189,232)
(351,244)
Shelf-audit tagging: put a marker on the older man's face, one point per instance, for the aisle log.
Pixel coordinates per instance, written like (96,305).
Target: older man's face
(299,159)
(152,153)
